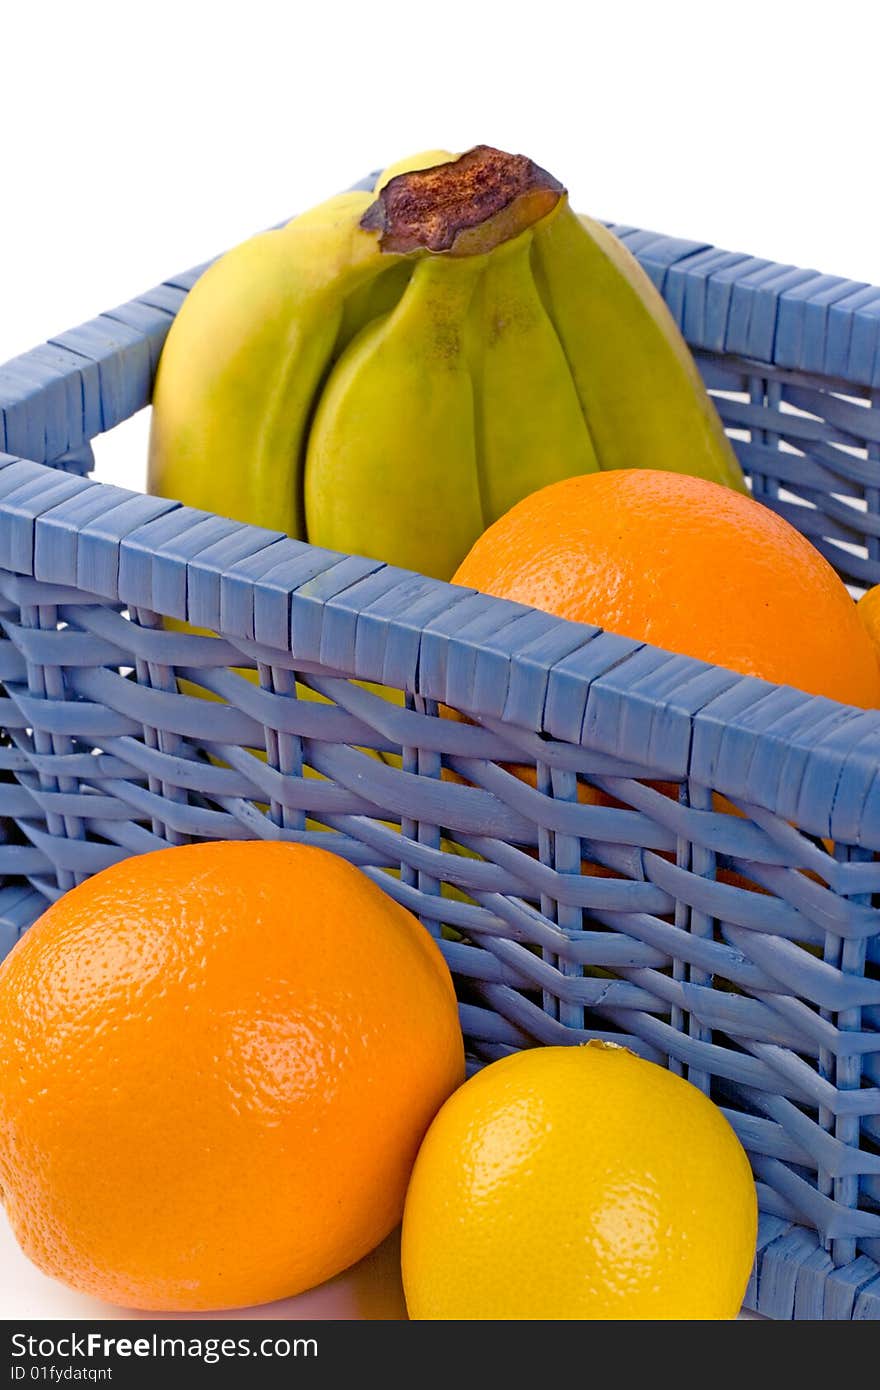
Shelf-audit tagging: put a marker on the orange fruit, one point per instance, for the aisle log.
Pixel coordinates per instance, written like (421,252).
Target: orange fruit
(217,1063)
(686,565)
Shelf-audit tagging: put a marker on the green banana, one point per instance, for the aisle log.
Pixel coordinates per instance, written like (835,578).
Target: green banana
(392,371)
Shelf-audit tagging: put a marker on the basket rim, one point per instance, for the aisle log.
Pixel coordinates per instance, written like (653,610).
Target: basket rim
(768,747)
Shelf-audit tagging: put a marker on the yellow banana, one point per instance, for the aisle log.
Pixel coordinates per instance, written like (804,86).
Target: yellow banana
(639,387)
(529,427)
(391,467)
(393,370)
(378,296)
(244,359)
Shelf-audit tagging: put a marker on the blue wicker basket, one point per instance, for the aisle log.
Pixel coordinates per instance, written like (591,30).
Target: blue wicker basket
(767,997)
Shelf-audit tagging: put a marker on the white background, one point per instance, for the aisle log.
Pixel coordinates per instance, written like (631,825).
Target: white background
(139,139)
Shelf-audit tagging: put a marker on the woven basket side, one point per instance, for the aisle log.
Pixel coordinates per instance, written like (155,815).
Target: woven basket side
(564,842)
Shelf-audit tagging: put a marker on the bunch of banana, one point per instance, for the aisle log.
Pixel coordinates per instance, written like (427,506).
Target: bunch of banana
(390,372)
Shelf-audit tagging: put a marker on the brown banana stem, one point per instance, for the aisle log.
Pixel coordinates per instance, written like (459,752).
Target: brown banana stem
(464,208)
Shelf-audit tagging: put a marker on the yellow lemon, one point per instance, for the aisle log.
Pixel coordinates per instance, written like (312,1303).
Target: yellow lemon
(578,1182)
